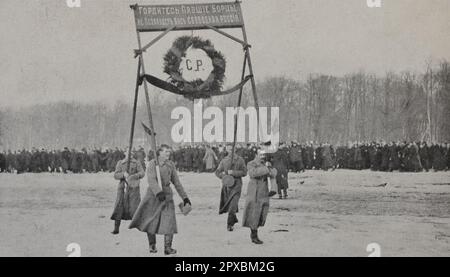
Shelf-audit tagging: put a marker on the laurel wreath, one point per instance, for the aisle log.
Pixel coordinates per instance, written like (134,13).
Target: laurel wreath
(197,89)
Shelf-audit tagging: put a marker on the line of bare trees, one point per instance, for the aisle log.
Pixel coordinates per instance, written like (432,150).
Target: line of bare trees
(397,106)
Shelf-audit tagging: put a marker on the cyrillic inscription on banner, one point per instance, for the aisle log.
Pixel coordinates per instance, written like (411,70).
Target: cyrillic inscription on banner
(188,17)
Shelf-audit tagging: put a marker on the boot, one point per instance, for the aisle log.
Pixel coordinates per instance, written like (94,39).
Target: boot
(254,237)
(152,243)
(168,245)
(232,219)
(116,227)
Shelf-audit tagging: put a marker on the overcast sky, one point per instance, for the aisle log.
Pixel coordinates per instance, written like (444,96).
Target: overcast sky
(49,52)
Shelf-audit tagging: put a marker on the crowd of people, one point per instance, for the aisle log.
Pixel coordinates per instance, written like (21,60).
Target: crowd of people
(62,161)
(295,157)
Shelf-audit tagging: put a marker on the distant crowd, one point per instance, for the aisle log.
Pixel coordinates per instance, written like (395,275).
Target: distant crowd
(295,157)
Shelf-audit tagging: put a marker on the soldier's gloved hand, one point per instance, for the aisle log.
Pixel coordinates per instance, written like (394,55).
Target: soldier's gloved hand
(161,196)
(187,201)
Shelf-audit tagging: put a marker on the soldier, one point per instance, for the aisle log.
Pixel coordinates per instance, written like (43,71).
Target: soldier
(394,161)
(350,156)
(26,162)
(44,160)
(51,161)
(413,158)
(76,161)
(222,153)
(309,157)
(439,157)
(2,162)
(156,213)
(327,160)
(209,159)
(257,200)
(280,163)
(384,166)
(109,158)
(340,156)
(231,174)
(65,159)
(128,191)
(295,158)
(58,160)
(447,147)
(189,156)
(94,157)
(197,159)
(424,158)
(365,155)
(85,161)
(202,152)
(358,158)
(140,156)
(35,161)
(318,157)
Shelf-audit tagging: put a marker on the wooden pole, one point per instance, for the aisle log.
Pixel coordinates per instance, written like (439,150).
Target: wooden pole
(147,100)
(247,54)
(237,115)
(133,121)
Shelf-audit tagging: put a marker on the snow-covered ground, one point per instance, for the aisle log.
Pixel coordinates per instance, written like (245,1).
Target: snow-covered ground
(331,214)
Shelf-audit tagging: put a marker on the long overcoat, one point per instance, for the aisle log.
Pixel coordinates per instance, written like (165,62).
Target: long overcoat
(257,199)
(153,216)
(210,159)
(280,161)
(127,200)
(229,196)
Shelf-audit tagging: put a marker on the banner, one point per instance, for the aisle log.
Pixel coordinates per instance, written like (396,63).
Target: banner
(152,18)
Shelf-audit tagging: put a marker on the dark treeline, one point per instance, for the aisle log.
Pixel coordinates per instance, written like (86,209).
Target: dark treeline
(356,107)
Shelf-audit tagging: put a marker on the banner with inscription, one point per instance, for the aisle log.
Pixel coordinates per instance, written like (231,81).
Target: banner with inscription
(188,17)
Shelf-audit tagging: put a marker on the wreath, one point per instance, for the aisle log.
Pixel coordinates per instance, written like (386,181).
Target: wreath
(196,89)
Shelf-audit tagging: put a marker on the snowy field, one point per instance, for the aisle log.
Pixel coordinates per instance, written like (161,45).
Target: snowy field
(327,214)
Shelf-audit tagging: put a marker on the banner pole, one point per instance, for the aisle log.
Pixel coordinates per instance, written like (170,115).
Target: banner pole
(237,115)
(133,120)
(250,67)
(147,100)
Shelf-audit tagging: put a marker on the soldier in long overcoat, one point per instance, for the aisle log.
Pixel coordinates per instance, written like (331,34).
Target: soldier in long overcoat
(230,195)
(413,157)
(280,161)
(424,157)
(327,160)
(257,200)
(65,159)
(128,191)
(295,157)
(156,212)
(394,161)
(209,159)
(2,162)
